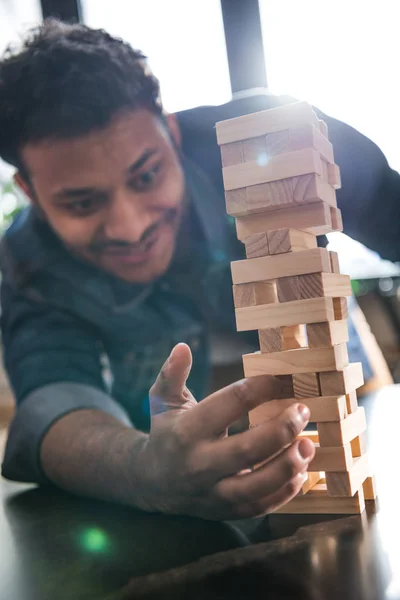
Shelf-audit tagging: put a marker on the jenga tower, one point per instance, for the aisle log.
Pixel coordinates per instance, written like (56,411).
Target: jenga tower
(280,178)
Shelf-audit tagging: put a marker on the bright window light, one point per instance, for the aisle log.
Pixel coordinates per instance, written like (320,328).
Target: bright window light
(183,40)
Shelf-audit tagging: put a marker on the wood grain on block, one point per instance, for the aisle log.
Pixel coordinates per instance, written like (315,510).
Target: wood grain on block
(343,432)
(336,217)
(255,149)
(369,487)
(306,385)
(330,285)
(314,218)
(309,136)
(327,334)
(257,245)
(290,240)
(235,202)
(351,400)
(322,408)
(269,196)
(342,382)
(264,122)
(272,267)
(347,484)
(317,502)
(253,294)
(336,459)
(335,266)
(277,167)
(288,289)
(270,340)
(313,477)
(334,176)
(311,187)
(232,154)
(280,315)
(340,308)
(278,142)
(302,360)
(293,336)
(359,444)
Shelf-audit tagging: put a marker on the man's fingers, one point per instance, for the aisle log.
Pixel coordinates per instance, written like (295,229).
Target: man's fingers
(169,391)
(268,479)
(214,414)
(228,456)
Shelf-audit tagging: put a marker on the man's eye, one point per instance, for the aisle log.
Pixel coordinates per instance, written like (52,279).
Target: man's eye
(147,179)
(82,207)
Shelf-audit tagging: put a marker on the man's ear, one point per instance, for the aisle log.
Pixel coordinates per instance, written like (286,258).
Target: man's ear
(173,126)
(25,186)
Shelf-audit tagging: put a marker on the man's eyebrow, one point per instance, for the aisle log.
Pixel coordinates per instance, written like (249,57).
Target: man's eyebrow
(148,153)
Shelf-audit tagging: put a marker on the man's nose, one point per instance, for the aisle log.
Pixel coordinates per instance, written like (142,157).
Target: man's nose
(126,219)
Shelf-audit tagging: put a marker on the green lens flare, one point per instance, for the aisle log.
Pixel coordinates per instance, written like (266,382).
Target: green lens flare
(94,540)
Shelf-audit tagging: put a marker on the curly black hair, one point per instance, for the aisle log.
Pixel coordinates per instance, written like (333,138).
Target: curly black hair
(67,80)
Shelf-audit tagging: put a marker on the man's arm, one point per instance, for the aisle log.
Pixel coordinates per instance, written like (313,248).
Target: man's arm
(72,433)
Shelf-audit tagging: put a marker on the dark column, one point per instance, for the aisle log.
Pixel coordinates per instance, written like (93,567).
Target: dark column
(66,10)
(244,44)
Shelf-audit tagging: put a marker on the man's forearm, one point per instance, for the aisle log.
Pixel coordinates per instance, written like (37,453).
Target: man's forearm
(91,453)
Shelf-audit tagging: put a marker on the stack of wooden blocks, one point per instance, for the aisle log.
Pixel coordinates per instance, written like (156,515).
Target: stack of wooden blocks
(280,179)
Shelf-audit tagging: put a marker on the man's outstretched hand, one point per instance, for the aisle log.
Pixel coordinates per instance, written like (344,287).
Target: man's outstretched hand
(188,464)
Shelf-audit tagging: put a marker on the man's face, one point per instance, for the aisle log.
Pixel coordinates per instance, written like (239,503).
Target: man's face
(114,196)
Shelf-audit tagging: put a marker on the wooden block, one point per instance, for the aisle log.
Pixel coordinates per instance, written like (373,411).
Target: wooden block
(270,196)
(322,408)
(255,149)
(282,166)
(312,479)
(327,334)
(351,399)
(232,154)
(309,136)
(288,313)
(330,285)
(338,434)
(335,459)
(257,245)
(290,240)
(302,360)
(288,289)
(340,309)
(347,484)
(272,267)
(270,340)
(334,176)
(314,218)
(323,127)
(264,122)
(278,142)
(336,216)
(359,444)
(236,202)
(319,503)
(369,487)
(342,382)
(311,187)
(310,435)
(306,385)
(293,337)
(324,171)
(254,294)
(335,267)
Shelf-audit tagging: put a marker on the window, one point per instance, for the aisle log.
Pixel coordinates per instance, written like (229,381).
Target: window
(183,40)
(342,57)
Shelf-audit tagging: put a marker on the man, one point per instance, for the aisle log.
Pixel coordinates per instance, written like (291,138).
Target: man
(123,259)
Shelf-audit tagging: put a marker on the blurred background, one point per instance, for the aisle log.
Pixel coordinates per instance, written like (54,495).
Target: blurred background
(342,57)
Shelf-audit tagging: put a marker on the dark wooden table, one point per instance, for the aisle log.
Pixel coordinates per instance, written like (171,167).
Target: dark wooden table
(55,546)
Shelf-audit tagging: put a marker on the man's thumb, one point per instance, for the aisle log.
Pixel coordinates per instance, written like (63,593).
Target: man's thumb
(168,391)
